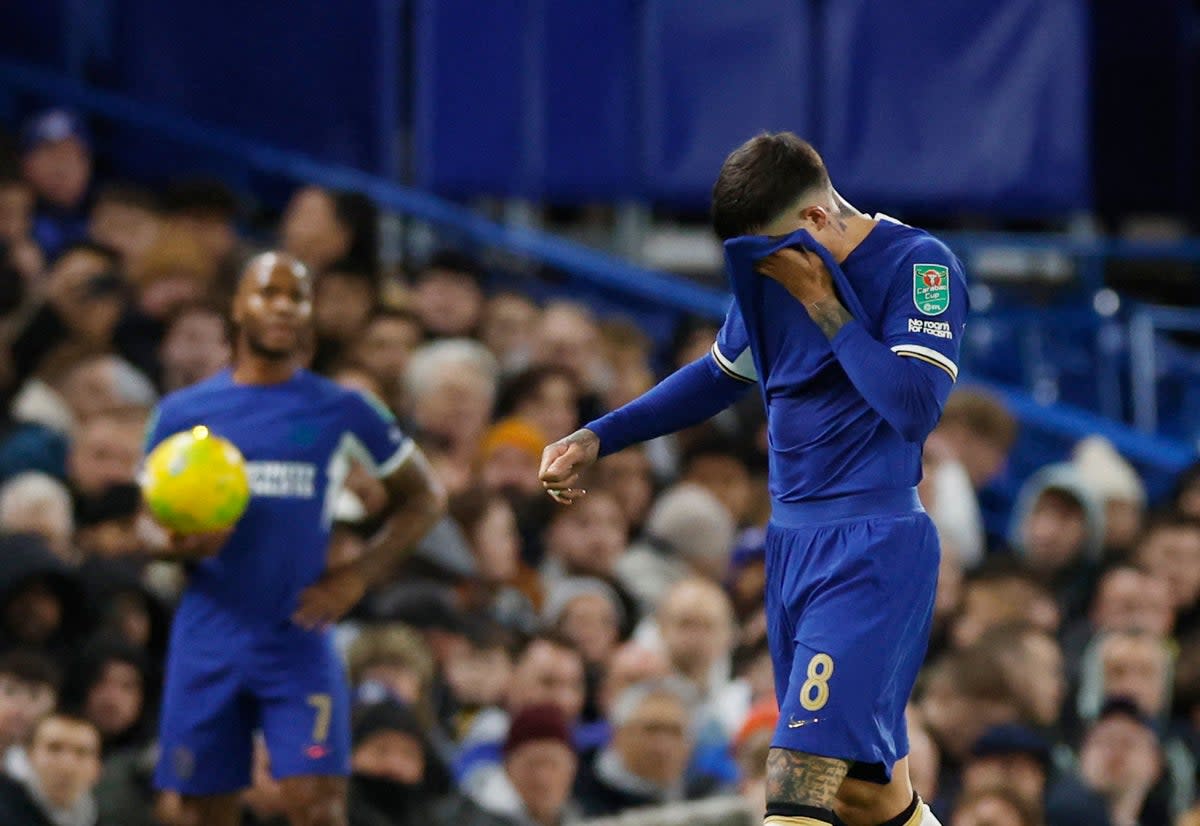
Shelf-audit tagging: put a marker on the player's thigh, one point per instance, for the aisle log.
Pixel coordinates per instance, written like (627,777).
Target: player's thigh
(863,803)
(315,800)
(304,708)
(859,640)
(206,721)
(209,810)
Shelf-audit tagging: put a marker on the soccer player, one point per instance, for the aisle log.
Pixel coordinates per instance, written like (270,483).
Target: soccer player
(850,324)
(249,646)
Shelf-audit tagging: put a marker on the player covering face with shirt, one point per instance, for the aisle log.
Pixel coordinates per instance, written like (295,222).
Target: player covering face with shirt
(250,648)
(850,325)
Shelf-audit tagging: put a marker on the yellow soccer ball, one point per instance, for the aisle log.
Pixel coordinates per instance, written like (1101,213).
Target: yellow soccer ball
(195,482)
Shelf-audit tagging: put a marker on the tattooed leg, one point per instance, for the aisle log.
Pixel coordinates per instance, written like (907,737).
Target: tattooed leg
(801,788)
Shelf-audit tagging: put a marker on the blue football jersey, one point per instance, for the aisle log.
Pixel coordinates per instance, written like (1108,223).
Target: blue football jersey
(908,291)
(298,438)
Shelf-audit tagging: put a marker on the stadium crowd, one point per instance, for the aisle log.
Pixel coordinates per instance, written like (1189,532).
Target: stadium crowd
(534,665)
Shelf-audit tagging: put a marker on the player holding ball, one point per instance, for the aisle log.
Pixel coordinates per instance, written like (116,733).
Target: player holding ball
(249,647)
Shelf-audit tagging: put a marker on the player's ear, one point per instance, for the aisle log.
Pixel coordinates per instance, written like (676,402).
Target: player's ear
(818,216)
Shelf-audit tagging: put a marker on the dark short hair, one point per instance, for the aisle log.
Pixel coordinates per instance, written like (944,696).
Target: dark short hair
(982,413)
(551,637)
(31,666)
(129,195)
(360,217)
(201,195)
(524,385)
(1168,520)
(762,178)
(452,261)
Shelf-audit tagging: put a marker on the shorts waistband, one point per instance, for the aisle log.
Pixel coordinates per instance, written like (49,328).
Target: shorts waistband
(851,506)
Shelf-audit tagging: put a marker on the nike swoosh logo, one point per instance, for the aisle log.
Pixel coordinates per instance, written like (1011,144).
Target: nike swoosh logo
(794,723)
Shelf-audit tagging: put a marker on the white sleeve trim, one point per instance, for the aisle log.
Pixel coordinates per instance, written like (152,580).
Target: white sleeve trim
(740,368)
(390,465)
(927,354)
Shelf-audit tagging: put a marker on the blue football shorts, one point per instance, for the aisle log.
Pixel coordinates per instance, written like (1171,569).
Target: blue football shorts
(224,683)
(850,592)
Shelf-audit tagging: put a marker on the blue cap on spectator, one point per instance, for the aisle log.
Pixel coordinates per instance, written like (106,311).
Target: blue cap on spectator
(1012,739)
(53,125)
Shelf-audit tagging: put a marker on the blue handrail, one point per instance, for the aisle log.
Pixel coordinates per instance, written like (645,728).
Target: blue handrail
(603,270)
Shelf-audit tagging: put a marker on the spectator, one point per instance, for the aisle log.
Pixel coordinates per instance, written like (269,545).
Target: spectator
(452,388)
(322,226)
(504,587)
(64,762)
(586,539)
(1130,664)
(972,440)
(628,352)
(479,676)
(546,397)
(106,451)
(1187,492)
(508,459)
(994,807)
(84,300)
(630,478)
(1119,763)
(35,503)
(106,523)
(694,622)
(1126,599)
(394,781)
(448,296)
(568,338)
(195,346)
(16,228)
(962,695)
(924,759)
(689,532)
(41,600)
(110,683)
(750,747)
(57,162)
(539,766)
(388,341)
(127,219)
(29,687)
(1058,529)
(718,466)
(644,765)
(1000,593)
(631,663)
(589,613)
(1114,483)
(393,662)
(208,211)
(549,670)
(1033,665)
(1170,550)
(510,321)
(344,300)
(1012,757)
(125,609)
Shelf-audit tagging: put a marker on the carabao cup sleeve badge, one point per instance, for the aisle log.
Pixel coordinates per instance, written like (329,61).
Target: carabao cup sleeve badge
(931,288)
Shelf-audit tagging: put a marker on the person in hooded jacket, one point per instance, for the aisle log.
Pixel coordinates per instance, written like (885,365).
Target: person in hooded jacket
(1058,530)
(395,779)
(41,601)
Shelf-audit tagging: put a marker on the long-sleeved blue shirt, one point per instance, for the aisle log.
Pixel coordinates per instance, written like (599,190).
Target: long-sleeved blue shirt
(845,415)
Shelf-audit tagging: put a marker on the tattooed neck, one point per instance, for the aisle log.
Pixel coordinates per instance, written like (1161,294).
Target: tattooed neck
(829,314)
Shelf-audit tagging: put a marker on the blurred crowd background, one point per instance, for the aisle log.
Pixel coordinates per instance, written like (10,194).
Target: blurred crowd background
(535,665)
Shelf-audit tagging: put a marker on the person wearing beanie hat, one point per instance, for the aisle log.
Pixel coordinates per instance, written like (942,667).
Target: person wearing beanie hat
(688,532)
(57,161)
(509,456)
(539,766)
(1112,481)
(1011,755)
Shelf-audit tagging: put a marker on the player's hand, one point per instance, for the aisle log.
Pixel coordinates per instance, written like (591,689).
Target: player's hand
(564,461)
(801,272)
(330,598)
(192,547)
